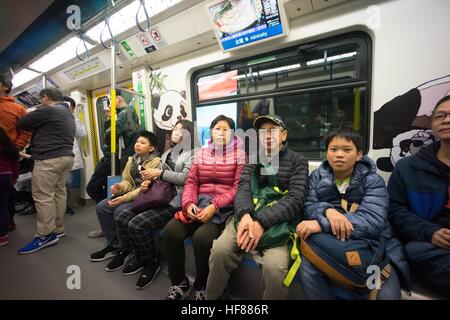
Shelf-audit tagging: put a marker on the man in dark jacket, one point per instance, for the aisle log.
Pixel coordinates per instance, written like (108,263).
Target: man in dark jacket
(53,131)
(419,208)
(291,171)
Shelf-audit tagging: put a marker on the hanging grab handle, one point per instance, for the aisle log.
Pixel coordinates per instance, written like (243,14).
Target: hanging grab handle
(110,33)
(82,41)
(147,18)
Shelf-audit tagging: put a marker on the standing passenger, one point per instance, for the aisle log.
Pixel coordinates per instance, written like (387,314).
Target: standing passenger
(80,133)
(9,171)
(208,197)
(53,131)
(10,112)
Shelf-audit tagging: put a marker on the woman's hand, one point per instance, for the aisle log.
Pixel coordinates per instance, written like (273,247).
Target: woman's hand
(206,214)
(150,174)
(192,211)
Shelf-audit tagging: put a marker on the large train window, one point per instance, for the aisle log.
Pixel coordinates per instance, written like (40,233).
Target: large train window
(315,87)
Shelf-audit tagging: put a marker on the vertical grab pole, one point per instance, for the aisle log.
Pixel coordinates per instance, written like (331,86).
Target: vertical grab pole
(113,108)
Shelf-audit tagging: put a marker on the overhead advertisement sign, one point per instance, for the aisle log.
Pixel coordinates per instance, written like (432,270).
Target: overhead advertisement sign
(86,69)
(238,23)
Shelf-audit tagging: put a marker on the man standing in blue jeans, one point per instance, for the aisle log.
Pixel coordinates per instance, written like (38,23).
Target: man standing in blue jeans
(419,194)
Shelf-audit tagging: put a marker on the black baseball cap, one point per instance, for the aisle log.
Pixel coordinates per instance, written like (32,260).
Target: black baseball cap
(269,117)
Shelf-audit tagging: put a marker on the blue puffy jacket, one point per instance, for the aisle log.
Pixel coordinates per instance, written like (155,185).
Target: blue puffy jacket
(367,189)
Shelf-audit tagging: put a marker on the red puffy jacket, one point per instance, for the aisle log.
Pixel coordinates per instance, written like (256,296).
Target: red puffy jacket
(215,172)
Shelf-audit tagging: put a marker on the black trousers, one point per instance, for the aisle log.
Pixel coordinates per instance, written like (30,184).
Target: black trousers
(97,186)
(202,235)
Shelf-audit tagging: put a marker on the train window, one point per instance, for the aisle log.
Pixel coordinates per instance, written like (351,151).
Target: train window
(315,87)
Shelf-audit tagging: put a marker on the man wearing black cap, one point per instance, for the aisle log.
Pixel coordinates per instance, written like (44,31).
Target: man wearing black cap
(290,171)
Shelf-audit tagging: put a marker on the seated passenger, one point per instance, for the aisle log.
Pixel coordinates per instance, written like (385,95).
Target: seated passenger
(346,175)
(291,176)
(136,230)
(123,193)
(207,202)
(419,194)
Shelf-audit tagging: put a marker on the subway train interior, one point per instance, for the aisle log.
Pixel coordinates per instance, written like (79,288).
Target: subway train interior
(378,67)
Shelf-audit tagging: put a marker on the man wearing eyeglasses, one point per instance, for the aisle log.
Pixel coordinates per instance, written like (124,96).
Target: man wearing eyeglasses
(419,192)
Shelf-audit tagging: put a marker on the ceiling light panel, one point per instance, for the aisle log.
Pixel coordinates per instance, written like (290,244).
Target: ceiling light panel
(23,76)
(125,18)
(59,55)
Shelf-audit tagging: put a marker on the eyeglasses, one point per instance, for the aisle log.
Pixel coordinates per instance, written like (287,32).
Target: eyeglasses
(439,116)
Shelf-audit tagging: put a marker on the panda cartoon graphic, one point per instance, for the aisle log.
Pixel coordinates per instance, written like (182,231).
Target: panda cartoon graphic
(169,107)
(403,124)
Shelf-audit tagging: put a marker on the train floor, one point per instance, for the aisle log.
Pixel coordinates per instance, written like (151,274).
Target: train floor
(48,274)
(44,274)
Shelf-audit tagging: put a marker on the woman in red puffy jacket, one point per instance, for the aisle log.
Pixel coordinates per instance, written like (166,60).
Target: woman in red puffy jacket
(208,199)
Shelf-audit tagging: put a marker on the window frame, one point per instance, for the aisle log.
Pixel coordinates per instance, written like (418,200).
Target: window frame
(363,76)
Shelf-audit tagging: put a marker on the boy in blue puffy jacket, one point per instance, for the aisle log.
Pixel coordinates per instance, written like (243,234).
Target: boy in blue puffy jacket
(346,197)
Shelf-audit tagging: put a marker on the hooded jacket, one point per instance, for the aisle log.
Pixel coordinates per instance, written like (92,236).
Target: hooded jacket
(370,220)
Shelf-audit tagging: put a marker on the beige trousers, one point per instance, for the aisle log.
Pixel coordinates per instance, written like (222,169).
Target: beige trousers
(226,256)
(48,183)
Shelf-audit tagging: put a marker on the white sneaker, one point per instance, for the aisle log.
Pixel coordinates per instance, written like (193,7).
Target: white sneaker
(95,233)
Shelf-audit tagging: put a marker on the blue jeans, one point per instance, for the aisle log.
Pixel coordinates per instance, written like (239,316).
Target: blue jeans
(317,286)
(430,263)
(107,215)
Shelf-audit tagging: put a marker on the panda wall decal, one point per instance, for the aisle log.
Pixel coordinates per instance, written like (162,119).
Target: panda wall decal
(403,124)
(168,107)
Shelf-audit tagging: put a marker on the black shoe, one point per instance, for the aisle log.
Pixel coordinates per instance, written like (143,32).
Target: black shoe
(69,211)
(148,275)
(120,260)
(106,253)
(179,292)
(134,267)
